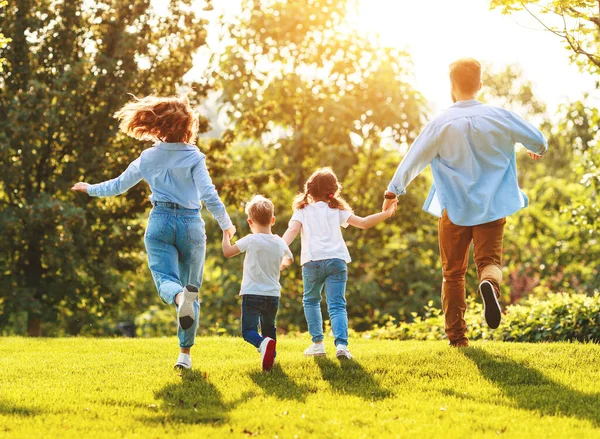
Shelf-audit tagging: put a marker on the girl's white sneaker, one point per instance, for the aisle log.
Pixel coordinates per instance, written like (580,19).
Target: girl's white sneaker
(342,352)
(184,361)
(267,353)
(315,350)
(185,309)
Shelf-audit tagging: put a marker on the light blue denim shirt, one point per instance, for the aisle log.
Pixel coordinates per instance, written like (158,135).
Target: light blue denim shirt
(471,149)
(176,173)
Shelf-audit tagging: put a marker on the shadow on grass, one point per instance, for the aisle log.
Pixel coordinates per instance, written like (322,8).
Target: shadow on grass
(9,409)
(194,400)
(531,390)
(349,377)
(278,384)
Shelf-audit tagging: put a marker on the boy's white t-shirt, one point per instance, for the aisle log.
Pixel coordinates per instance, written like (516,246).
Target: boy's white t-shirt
(264,254)
(321,235)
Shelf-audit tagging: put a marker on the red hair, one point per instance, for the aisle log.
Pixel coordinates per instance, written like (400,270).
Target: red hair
(323,185)
(169,119)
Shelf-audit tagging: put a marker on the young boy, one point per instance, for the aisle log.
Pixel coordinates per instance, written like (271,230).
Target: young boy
(266,254)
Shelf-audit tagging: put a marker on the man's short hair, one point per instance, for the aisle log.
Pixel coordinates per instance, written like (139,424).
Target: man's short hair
(260,210)
(465,74)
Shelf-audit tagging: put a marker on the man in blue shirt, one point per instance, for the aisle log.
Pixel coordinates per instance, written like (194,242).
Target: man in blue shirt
(471,150)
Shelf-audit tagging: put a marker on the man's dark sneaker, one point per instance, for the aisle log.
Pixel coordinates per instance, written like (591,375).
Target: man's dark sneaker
(185,310)
(491,307)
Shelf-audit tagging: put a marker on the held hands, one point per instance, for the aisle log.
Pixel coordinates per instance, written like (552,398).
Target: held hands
(80,187)
(389,206)
(533,155)
(230,232)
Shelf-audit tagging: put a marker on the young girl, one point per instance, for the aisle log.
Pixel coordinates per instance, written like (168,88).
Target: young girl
(318,214)
(176,171)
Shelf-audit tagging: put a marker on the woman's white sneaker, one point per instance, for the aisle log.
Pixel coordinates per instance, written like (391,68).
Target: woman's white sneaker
(184,361)
(342,352)
(267,353)
(315,350)
(185,309)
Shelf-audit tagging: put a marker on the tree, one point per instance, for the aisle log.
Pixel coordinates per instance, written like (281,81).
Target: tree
(296,77)
(69,66)
(577,23)
(3,40)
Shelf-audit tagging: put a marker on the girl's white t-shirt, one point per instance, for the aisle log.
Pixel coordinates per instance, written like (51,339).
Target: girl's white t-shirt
(321,235)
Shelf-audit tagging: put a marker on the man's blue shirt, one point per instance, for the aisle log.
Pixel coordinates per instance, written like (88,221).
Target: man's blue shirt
(471,149)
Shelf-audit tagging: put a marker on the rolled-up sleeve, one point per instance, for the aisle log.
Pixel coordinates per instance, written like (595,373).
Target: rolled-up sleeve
(527,135)
(119,185)
(423,150)
(209,196)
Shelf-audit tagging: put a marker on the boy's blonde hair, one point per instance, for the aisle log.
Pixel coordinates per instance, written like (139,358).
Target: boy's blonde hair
(170,119)
(260,210)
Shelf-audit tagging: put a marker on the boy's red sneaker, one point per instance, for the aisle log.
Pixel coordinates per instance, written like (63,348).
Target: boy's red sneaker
(267,353)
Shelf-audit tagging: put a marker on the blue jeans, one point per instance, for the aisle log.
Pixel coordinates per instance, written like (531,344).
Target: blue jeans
(333,275)
(176,245)
(259,309)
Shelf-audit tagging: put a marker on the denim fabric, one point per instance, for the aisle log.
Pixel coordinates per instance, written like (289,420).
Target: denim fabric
(176,173)
(176,246)
(259,309)
(333,275)
(471,149)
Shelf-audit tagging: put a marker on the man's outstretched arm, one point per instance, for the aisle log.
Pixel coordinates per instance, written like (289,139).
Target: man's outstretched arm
(421,153)
(527,135)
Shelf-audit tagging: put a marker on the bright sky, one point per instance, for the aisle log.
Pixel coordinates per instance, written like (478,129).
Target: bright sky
(436,32)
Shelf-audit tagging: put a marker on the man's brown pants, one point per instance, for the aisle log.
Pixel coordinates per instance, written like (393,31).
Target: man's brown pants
(455,242)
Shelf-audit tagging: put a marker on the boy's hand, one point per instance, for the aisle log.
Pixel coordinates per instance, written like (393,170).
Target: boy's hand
(230,232)
(285,263)
(80,187)
(533,155)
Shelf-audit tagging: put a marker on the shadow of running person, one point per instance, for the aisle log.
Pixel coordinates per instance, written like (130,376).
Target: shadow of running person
(278,384)
(350,378)
(13,410)
(532,390)
(194,400)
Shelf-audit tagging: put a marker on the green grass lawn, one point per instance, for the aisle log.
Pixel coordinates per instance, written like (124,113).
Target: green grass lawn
(95,388)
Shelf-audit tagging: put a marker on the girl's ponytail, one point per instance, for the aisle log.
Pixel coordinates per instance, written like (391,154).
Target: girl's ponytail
(301,200)
(336,201)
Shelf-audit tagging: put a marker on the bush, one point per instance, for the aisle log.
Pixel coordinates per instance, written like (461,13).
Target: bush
(559,317)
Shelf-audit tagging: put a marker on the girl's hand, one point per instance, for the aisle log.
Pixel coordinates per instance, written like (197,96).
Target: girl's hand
(230,231)
(533,155)
(80,187)
(391,208)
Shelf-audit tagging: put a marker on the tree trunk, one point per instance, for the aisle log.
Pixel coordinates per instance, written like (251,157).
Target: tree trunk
(34,326)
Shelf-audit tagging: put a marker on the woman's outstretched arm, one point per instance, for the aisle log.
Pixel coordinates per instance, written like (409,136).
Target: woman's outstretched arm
(116,186)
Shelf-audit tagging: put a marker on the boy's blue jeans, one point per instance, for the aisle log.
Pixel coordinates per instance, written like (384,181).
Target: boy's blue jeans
(333,275)
(259,309)
(176,245)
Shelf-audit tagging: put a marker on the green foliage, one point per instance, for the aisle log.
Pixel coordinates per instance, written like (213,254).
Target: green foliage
(577,23)
(69,66)
(558,317)
(3,40)
(106,388)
